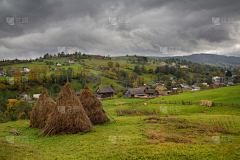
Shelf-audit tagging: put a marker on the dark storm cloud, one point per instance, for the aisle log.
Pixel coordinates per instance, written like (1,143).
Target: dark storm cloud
(119,27)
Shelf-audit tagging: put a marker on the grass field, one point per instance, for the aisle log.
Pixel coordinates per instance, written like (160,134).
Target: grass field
(180,132)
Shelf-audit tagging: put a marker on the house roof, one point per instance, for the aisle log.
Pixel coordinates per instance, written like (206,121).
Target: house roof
(151,91)
(105,89)
(135,91)
(143,88)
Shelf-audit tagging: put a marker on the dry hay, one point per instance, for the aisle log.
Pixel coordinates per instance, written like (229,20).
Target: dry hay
(68,116)
(42,108)
(206,103)
(160,88)
(120,103)
(93,107)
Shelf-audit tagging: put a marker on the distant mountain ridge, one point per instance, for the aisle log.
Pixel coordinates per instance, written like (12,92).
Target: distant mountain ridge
(209,59)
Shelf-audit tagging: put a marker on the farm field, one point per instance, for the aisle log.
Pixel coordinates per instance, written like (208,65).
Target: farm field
(177,132)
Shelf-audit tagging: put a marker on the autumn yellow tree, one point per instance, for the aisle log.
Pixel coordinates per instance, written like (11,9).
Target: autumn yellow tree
(32,75)
(44,70)
(217,73)
(18,76)
(37,69)
(117,65)
(110,64)
(130,75)
(135,85)
(142,79)
(11,105)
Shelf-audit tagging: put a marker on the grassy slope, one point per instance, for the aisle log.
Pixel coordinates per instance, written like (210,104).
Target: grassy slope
(224,94)
(131,135)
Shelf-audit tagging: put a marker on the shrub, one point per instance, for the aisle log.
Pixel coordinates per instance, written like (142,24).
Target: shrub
(6,114)
(13,117)
(23,106)
(22,115)
(120,94)
(150,70)
(3,118)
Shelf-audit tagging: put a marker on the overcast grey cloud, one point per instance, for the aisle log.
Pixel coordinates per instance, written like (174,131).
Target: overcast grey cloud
(106,27)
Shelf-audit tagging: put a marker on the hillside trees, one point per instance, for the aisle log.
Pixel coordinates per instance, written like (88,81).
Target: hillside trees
(110,64)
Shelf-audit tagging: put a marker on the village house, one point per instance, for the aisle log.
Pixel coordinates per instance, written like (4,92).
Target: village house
(143,88)
(78,93)
(133,93)
(184,66)
(54,69)
(25,69)
(104,92)
(162,64)
(163,93)
(36,96)
(71,61)
(25,97)
(174,81)
(3,73)
(216,83)
(152,92)
(40,60)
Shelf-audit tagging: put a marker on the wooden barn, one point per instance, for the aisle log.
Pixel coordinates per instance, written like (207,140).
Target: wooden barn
(104,92)
(133,93)
(152,92)
(144,89)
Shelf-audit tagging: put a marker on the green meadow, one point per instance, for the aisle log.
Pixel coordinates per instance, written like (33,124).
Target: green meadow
(174,132)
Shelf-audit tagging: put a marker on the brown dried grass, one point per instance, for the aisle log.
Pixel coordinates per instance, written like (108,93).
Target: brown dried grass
(93,107)
(67,123)
(42,108)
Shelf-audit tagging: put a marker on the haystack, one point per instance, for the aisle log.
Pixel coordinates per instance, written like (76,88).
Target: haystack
(93,107)
(161,88)
(40,111)
(68,116)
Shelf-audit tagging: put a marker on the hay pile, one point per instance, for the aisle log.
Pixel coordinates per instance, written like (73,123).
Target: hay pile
(93,107)
(42,108)
(206,103)
(161,88)
(68,116)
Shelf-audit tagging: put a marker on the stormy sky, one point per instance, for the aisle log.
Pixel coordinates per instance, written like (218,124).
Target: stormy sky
(32,28)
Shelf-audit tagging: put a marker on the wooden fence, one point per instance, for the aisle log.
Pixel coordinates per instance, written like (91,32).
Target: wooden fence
(175,102)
